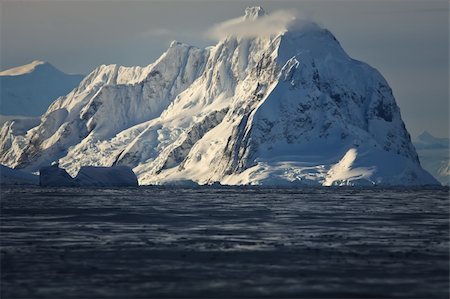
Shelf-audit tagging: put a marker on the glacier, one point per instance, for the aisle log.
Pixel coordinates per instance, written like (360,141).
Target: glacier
(289,109)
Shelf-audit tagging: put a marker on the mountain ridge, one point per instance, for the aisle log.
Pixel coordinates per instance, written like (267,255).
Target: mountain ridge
(28,90)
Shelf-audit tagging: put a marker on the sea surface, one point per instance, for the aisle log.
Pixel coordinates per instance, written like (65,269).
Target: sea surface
(224,242)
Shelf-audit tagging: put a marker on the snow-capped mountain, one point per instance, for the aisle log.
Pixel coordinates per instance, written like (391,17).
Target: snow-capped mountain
(289,108)
(428,141)
(31,88)
(434,155)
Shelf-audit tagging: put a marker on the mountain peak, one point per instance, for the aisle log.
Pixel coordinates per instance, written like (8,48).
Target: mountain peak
(176,43)
(254,12)
(425,135)
(429,138)
(24,69)
(38,62)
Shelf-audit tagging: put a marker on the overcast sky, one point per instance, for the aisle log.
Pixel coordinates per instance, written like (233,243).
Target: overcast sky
(407,41)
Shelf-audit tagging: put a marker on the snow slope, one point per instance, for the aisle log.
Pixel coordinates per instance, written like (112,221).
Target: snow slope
(289,108)
(29,89)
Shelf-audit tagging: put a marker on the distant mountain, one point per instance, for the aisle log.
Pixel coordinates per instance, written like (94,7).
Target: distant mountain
(290,108)
(434,155)
(28,90)
(428,141)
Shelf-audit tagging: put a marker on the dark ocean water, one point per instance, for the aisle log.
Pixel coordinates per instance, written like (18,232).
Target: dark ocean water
(227,242)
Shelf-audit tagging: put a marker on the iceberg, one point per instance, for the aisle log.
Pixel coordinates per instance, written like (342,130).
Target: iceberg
(53,176)
(116,176)
(88,176)
(9,176)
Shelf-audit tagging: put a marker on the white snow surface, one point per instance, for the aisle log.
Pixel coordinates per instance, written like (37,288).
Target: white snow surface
(28,90)
(292,108)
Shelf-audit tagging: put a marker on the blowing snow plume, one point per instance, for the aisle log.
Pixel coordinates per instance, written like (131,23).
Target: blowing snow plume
(257,23)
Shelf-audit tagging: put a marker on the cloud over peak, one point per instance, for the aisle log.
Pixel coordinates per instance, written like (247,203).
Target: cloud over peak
(262,25)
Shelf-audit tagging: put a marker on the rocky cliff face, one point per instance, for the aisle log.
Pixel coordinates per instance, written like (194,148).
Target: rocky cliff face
(292,108)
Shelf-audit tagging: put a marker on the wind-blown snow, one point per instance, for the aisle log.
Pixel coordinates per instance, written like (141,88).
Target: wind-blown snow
(255,23)
(288,108)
